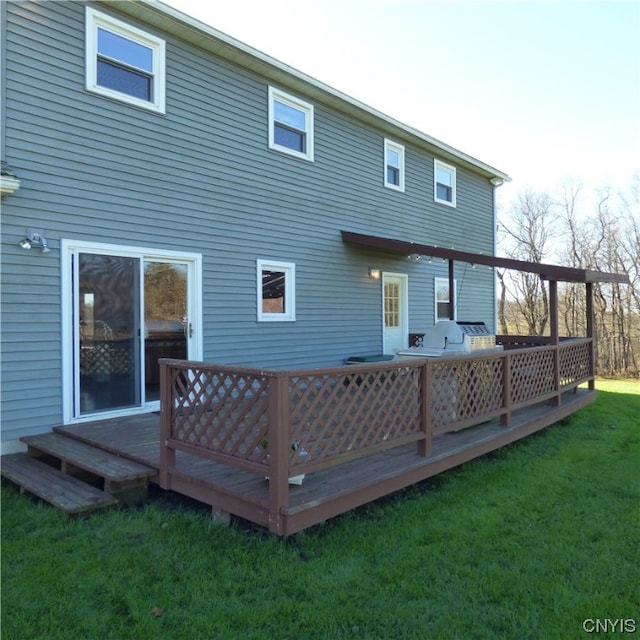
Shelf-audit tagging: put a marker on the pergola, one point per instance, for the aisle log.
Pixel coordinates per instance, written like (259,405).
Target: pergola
(550,272)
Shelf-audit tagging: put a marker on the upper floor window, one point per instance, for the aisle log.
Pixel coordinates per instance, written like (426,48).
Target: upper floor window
(393,165)
(290,124)
(124,62)
(444,183)
(276,290)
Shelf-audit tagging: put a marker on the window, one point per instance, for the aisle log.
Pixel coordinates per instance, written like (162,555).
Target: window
(124,63)
(276,291)
(445,183)
(290,125)
(393,165)
(442,301)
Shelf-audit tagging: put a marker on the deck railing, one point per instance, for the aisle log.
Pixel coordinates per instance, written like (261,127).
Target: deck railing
(280,423)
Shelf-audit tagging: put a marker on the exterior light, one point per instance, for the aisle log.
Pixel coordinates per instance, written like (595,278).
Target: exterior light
(374,274)
(35,237)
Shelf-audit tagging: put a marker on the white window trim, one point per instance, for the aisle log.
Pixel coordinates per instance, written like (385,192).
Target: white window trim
(439,282)
(289,270)
(399,149)
(95,19)
(438,164)
(296,103)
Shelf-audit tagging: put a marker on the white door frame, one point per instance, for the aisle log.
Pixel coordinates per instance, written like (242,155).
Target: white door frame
(69,248)
(404,306)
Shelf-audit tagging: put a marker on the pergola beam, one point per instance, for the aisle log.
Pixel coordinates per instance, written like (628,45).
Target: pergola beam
(545,271)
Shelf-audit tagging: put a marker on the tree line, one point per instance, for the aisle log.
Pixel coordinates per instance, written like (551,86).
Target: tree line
(599,231)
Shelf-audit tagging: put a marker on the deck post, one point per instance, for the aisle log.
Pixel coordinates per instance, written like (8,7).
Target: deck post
(426,422)
(167,455)
(505,418)
(279,418)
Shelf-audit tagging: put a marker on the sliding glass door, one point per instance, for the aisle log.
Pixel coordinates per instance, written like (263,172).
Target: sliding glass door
(127,311)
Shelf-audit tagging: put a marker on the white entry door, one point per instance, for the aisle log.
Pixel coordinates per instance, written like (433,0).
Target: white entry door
(395,312)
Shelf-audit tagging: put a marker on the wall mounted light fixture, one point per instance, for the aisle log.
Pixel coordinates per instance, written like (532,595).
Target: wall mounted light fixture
(496,182)
(36,237)
(374,274)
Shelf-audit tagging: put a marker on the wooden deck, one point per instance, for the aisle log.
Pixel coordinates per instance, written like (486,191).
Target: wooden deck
(326,492)
(234,437)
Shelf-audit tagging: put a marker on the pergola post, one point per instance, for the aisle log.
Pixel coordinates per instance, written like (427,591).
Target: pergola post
(591,333)
(452,292)
(555,337)
(553,312)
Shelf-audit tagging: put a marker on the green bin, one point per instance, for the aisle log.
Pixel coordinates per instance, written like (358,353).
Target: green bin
(376,357)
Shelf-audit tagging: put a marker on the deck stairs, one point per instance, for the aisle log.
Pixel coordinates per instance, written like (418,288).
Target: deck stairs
(74,476)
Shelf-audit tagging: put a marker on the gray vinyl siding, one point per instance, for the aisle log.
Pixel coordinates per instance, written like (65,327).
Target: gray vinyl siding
(201,179)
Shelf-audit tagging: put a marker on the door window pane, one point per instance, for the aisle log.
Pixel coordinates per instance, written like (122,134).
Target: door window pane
(166,323)
(108,316)
(391,305)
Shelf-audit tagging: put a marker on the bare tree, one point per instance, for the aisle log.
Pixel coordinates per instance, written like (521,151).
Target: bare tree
(577,254)
(527,237)
(601,234)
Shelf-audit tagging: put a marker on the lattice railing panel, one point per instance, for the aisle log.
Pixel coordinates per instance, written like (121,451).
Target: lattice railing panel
(222,412)
(464,390)
(575,363)
(334,414)
(341,412)
(532,374)
(444,395)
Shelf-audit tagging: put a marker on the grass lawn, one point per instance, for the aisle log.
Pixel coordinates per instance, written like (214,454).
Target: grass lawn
(528,542)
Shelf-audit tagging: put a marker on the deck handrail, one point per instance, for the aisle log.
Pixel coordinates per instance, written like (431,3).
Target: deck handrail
(280,423)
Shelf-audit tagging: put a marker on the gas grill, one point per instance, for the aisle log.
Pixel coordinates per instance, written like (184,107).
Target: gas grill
(451,337)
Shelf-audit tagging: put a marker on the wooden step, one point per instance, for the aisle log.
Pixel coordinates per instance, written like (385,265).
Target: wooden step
(56,487)
(125,479)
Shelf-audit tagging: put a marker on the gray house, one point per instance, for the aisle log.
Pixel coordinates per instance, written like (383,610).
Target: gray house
(168,191)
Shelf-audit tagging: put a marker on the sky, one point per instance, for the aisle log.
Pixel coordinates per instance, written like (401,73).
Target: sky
(546,91)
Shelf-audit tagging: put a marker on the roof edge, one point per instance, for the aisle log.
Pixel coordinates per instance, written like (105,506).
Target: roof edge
(165,17)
